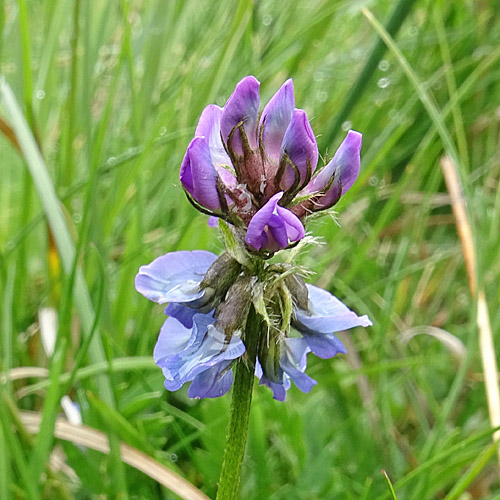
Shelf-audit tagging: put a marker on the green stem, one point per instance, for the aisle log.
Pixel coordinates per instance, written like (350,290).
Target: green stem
(236,437)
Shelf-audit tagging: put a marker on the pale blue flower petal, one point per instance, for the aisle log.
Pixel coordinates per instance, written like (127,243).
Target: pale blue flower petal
(175,277)
(209,349)
(326,314)
(182,313)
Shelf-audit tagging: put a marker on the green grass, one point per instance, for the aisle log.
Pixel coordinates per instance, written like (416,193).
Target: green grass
(109,93)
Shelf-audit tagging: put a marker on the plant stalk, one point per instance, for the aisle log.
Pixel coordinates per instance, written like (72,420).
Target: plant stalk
(237,431)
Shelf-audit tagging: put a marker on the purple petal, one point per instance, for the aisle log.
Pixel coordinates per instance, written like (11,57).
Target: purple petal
(273,227)
(209,128)
(198,175)
(326,314)
(228,178)
(175,277)
(212,383)
(294,228)
(279,390)
(294,362)
(242,106)
(213,221)
(182,313)
(300,146)
(276,118)
(344,166)
(325,346)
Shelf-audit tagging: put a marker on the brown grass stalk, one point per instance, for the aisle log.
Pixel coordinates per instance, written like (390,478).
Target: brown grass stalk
(486,344)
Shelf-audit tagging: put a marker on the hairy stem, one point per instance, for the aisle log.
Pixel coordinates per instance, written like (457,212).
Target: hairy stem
(236,437)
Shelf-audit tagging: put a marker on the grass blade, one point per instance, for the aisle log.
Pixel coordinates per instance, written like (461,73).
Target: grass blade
(399,14)
(389,484)
(57,223)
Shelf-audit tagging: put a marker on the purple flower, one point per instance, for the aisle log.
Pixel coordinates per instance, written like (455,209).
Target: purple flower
(335,179)
(237,162)
(323,316)
(299,146)
(241,108)
(273,227)
(258,173)
(201,355)
(176,277)
(292,365)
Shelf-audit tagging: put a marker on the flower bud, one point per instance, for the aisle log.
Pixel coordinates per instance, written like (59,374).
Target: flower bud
(273,227)
(298,289)
(231,314)
(335,179)
(220,276)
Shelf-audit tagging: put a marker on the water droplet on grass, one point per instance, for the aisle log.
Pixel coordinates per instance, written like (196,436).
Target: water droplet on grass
(347,125)
(384,65)
(383,83)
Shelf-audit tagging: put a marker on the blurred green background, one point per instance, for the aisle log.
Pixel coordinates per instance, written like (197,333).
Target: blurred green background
(111,91)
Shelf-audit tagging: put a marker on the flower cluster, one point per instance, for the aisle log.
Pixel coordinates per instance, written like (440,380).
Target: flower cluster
(258,173)
(209,300)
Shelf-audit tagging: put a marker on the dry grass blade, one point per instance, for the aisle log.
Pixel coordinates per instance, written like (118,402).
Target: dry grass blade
(452,343)
(486,345)
(92,438)
(24,372)
(489,362)
(462,222)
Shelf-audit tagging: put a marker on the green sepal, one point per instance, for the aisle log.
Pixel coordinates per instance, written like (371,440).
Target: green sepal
(269,354)
(259,302)
(233,247)
(286,306)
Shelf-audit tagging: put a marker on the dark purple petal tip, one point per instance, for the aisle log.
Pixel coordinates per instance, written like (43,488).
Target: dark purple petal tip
(299,144)
(242,106)
(275,119)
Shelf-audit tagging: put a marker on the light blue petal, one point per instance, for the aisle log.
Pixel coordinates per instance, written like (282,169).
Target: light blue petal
(294,362)
(175,277)
(326,314)
(279,390)
(212,350)
(325,346)
(174,338)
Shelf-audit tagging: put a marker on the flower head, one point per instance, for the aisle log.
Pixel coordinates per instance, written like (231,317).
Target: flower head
(258,172)
(238,162)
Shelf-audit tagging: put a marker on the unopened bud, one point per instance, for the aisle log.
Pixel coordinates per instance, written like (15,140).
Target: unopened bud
(298,289)
(220,276)
(231,314)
